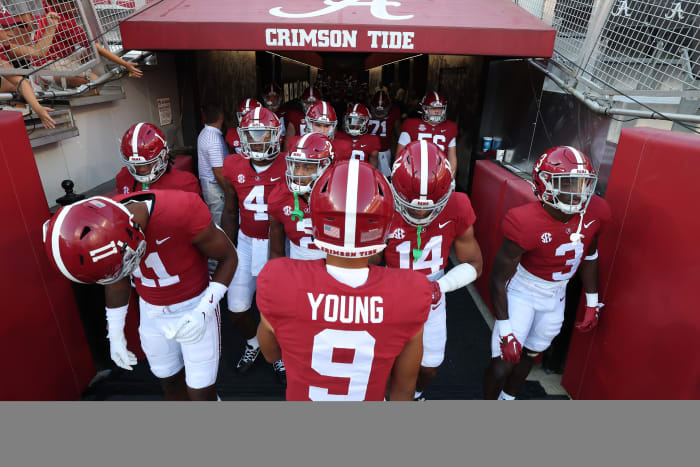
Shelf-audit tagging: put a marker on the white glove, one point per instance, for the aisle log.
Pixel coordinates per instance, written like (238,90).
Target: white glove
(116,318)
(119,353)
(190,328)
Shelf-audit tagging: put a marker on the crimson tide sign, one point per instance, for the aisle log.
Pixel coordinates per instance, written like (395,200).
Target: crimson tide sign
(467,27)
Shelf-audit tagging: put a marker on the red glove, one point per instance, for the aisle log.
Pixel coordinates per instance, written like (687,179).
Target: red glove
(437,293)
(590,318)
(510,346)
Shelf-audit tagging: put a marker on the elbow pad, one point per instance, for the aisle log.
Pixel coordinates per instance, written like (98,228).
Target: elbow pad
(459,276)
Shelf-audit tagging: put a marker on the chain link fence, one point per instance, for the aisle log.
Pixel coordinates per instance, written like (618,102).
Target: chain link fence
(110,13)
(626,45)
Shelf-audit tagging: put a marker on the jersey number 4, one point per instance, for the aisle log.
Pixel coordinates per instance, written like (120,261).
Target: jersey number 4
(357,371)
(255,201)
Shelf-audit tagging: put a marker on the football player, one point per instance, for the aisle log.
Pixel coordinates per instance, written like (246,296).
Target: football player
(231,138)
(544,243)
(363,146)
(272,100)
(163,239)
(433,127)
(297,120)
(289,204)
(144,153)
(431,218)
(385,123)
(249,181)
(344,327)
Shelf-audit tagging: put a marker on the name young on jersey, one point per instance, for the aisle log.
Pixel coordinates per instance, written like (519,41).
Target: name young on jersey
(345,309)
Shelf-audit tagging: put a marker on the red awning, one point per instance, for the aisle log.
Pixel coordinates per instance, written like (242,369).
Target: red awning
(461,27)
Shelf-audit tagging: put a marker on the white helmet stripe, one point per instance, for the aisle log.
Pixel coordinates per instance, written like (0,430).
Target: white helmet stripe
(325,108)
(256,115)
(135,139)
(311,93)
(302,140)
(577,155)
(423,169)
(380,99)
(437,98)
(354,107)
(351,203)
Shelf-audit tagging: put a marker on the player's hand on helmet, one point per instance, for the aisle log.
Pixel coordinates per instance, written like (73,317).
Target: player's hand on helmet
(122,357)
(511,348)
(590,318)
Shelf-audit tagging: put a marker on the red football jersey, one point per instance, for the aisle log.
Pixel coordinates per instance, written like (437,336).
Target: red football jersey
(443,135)
(436,238)
(253,190)
(298,120)
(174,179)
(383,127)
(233,140)
(359,148)
(173,269)
(281,205)
(549,252)
(340,342)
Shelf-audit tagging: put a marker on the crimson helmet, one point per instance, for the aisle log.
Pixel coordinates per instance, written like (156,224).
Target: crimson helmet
(421,179)
(259,133)
(356,120)
(351,210)
(272,96)
(309,97)
(564,178)
(94,241)
(245,107)
(322,113)
(380,104)
(144,144)
(312,149)
(433,100)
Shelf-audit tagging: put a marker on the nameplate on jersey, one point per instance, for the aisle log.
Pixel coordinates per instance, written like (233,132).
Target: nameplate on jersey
(346,309)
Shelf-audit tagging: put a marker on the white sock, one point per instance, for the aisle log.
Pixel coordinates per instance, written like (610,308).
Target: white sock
(253,342)
(218,398)
(504,396)
(417,394)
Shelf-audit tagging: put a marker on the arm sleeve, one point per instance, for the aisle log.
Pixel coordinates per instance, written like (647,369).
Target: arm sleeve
(404,139)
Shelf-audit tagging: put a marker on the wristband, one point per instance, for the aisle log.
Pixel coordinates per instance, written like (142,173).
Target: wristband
(116,319)
(592,300)
(504,327)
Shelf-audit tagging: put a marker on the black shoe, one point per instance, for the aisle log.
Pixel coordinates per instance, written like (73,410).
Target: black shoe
(280,371)
(247,359)
(420,398)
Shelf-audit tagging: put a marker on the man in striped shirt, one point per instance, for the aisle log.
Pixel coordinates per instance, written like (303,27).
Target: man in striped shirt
(211,152)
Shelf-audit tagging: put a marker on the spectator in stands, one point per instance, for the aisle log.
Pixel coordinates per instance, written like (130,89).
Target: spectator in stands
(211,151)
(67,41)
(17,42)
(11,83)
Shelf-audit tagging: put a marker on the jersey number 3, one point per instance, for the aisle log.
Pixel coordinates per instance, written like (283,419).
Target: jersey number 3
(357,371)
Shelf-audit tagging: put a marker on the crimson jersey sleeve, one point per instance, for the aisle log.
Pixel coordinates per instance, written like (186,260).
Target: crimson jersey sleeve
(198,214)
(125,182)
(465,217)
(515,230)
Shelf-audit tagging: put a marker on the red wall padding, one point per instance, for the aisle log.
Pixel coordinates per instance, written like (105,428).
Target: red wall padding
(45,354)
(495,190)
(645,346)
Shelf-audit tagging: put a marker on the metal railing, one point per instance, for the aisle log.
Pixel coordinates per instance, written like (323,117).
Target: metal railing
(626,45)
(110,13)
(46,37)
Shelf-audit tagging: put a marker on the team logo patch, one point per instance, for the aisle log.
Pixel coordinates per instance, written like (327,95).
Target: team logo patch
(236,143)
(398,234)
(421,127)
(257,178)
(546,237)
(287,210)
(241,178)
